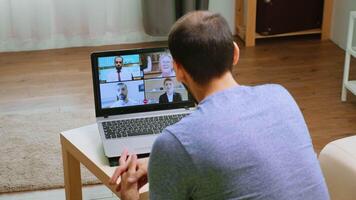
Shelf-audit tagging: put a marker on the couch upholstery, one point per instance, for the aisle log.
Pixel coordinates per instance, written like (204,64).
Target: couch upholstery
(338,163)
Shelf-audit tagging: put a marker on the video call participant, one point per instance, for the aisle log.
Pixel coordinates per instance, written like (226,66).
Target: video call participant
(122,97)
(119,74)
(169,96)
(166,65)
(146,63)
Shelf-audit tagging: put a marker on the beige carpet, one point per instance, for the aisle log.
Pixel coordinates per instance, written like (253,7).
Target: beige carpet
(30,149)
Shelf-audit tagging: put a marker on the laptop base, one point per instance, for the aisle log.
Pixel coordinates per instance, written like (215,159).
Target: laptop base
(114,161)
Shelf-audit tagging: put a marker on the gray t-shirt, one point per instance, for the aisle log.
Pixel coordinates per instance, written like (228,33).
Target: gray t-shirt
(240,143)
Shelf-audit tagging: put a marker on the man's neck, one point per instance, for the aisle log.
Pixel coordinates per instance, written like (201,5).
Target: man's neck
(124,100)
(219,84)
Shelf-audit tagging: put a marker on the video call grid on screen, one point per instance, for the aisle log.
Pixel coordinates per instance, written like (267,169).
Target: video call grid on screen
(139,79)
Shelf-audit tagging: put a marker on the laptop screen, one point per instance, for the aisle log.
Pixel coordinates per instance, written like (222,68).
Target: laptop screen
(141,78)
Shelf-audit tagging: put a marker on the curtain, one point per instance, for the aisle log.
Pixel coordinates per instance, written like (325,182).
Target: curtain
(46,24)
(158,20)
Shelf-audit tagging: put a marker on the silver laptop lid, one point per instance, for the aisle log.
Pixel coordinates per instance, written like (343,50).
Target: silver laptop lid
(136,80)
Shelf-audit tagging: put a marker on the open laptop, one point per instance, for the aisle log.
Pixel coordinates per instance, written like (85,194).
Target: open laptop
(136,97)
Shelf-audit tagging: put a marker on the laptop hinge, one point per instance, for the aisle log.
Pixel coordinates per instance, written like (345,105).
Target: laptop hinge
(186,107)
(106,116)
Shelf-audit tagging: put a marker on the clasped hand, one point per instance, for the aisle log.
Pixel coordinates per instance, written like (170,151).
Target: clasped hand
(133,175)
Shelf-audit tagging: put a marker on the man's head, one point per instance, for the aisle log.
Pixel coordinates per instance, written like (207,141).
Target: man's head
(166,65)
(202,43)
(169,86)
(122,91)
(119,62)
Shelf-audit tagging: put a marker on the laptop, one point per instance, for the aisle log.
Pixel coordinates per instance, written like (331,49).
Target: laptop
(136,96)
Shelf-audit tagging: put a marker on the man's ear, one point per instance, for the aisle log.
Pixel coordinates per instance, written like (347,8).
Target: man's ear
(180,72)
(236,54)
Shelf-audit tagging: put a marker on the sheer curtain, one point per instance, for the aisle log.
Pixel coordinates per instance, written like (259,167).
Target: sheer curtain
(46,24)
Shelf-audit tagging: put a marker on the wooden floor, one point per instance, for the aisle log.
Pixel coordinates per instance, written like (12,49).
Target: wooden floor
(310,69)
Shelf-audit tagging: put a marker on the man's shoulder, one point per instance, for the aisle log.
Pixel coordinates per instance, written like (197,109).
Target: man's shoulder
(270,94)
(186,126)
(165,141)
(112,74)
(243,92)
(165,138)
(276,88)
(115,104)
(215,110)
(162,96)
(131,102)
(277,92)
(176,94)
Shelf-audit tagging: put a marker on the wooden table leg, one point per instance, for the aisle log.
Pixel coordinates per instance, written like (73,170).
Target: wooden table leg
(72,178)
(326,26)
(251,23)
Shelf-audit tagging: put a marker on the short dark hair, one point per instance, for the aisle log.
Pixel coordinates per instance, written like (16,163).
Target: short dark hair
(122,84)
(167,79)
(202,42)
(118,57)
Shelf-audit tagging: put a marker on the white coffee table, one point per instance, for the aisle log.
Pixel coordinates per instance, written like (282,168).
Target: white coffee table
(83,145)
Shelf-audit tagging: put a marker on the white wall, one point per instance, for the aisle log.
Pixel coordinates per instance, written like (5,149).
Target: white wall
(340,21)
(226,8)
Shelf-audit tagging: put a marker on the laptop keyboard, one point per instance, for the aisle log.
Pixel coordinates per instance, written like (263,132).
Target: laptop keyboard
(140,126)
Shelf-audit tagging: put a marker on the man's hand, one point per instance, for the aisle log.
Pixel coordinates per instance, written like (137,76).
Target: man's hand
(138,176)
(129,190)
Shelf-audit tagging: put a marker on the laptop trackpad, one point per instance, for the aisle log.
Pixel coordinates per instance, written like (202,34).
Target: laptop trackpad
(136,145)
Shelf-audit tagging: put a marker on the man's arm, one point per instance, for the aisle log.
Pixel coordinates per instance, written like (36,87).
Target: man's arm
(178,97)
(172,173)
(111,77)
(162,98)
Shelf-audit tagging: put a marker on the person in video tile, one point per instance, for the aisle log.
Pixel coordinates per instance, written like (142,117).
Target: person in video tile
(166,65)
(169,96)
(122,97)
(119,74)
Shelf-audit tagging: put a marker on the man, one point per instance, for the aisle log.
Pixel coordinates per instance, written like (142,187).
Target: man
(169,96)
(241,143)
(122,98)
(166,66)
(119,74)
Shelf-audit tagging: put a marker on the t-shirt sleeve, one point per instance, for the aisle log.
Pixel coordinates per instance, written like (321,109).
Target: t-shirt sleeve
(171,172)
